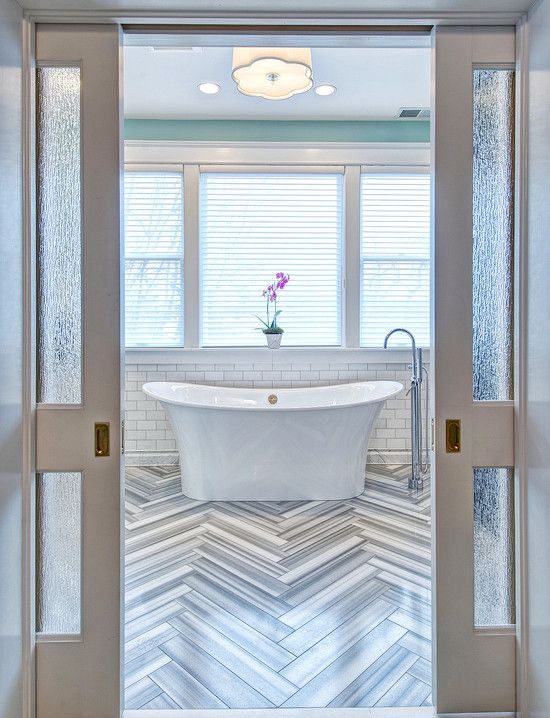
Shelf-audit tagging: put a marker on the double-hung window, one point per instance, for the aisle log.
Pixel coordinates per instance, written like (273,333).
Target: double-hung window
(395,256)
(256,223)
(153,233)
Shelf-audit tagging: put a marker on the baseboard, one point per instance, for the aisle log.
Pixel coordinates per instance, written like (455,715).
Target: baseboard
(151,458)
(167,458)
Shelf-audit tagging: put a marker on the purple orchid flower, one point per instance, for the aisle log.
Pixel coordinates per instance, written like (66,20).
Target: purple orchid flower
(270,292)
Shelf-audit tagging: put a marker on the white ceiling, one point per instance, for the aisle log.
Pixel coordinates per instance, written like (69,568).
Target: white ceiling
(372,83)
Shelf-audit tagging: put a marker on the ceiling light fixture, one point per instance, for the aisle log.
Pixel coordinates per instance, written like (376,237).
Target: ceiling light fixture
(209,88)
(274,73)
(325,90)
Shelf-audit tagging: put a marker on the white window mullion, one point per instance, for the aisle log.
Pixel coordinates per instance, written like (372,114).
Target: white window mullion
(352,255)
(192,256)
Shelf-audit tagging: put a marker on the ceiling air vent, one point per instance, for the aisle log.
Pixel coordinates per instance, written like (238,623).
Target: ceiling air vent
(415,113)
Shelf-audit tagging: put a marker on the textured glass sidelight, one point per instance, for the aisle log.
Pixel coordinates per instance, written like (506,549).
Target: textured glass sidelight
(58,553)
(59,305)
(494,603)
(493,233)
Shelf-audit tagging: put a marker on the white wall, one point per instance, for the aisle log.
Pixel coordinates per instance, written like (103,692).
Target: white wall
(538,364)
(149,439)
(10,360)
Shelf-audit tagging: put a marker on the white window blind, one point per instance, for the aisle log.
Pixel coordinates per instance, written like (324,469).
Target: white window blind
(253,225)
(395,257)
(153,235)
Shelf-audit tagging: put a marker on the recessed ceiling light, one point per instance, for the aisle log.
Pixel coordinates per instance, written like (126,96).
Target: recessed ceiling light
(325,90)
(209,88)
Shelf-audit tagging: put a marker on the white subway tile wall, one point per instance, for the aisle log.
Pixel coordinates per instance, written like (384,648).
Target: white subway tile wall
(148,432)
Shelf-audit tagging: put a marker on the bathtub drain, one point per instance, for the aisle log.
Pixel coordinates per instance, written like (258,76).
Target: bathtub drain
(272,398)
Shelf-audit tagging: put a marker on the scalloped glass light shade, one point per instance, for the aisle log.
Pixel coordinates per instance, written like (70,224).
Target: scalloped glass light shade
(274,73)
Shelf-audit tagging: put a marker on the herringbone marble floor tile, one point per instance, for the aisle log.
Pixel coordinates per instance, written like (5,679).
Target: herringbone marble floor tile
(294,604)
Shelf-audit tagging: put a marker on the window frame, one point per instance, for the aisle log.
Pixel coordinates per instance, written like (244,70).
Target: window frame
(351,158)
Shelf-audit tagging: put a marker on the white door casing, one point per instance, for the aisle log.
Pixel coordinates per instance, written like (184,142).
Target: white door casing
(80,678)
(473,670)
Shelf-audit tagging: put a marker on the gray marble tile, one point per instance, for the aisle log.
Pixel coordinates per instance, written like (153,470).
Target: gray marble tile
(141,692)
(376,681)
(245,665)
(269,652)
(322,654)
(263,604)
(213,675)
(407,691)
(185,690)
(325,686)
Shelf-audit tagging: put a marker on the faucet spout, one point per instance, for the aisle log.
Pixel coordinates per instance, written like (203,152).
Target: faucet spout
(413,346)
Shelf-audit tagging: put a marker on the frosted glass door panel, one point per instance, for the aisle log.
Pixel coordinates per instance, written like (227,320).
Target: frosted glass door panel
(59,304)
(58,553)
(493,547)
(493,233)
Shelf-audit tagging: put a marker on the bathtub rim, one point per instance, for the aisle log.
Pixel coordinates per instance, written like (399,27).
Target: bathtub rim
(396,388)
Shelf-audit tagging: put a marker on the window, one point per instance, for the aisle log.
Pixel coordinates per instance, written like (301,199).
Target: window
(356,231)
(395,256)
(255,224)
(153,216)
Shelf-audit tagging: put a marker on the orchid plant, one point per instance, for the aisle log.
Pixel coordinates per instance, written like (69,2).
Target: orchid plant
(270,325)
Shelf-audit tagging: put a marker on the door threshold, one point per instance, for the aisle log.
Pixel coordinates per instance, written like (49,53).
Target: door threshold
(389,712)
(427,712)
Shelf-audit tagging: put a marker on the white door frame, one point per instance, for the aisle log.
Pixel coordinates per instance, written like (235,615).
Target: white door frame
(360,20)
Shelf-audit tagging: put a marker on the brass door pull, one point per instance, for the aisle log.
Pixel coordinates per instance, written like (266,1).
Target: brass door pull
(102,438)
(452,434)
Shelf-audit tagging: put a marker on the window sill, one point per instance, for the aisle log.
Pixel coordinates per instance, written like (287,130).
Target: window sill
(284,355)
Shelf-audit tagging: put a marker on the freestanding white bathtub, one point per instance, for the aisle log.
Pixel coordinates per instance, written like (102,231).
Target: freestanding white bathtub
(272,444)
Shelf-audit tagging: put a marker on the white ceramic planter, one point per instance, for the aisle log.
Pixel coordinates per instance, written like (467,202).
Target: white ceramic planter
(273,340)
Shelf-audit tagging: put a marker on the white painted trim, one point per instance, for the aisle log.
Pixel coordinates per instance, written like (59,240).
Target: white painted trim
(284,355)
(29,375)
(91,16)
(351,299)
(427,712)
(520,368)
(404,169)
(277,153)
(243,18)
(191,263)
(272,169)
